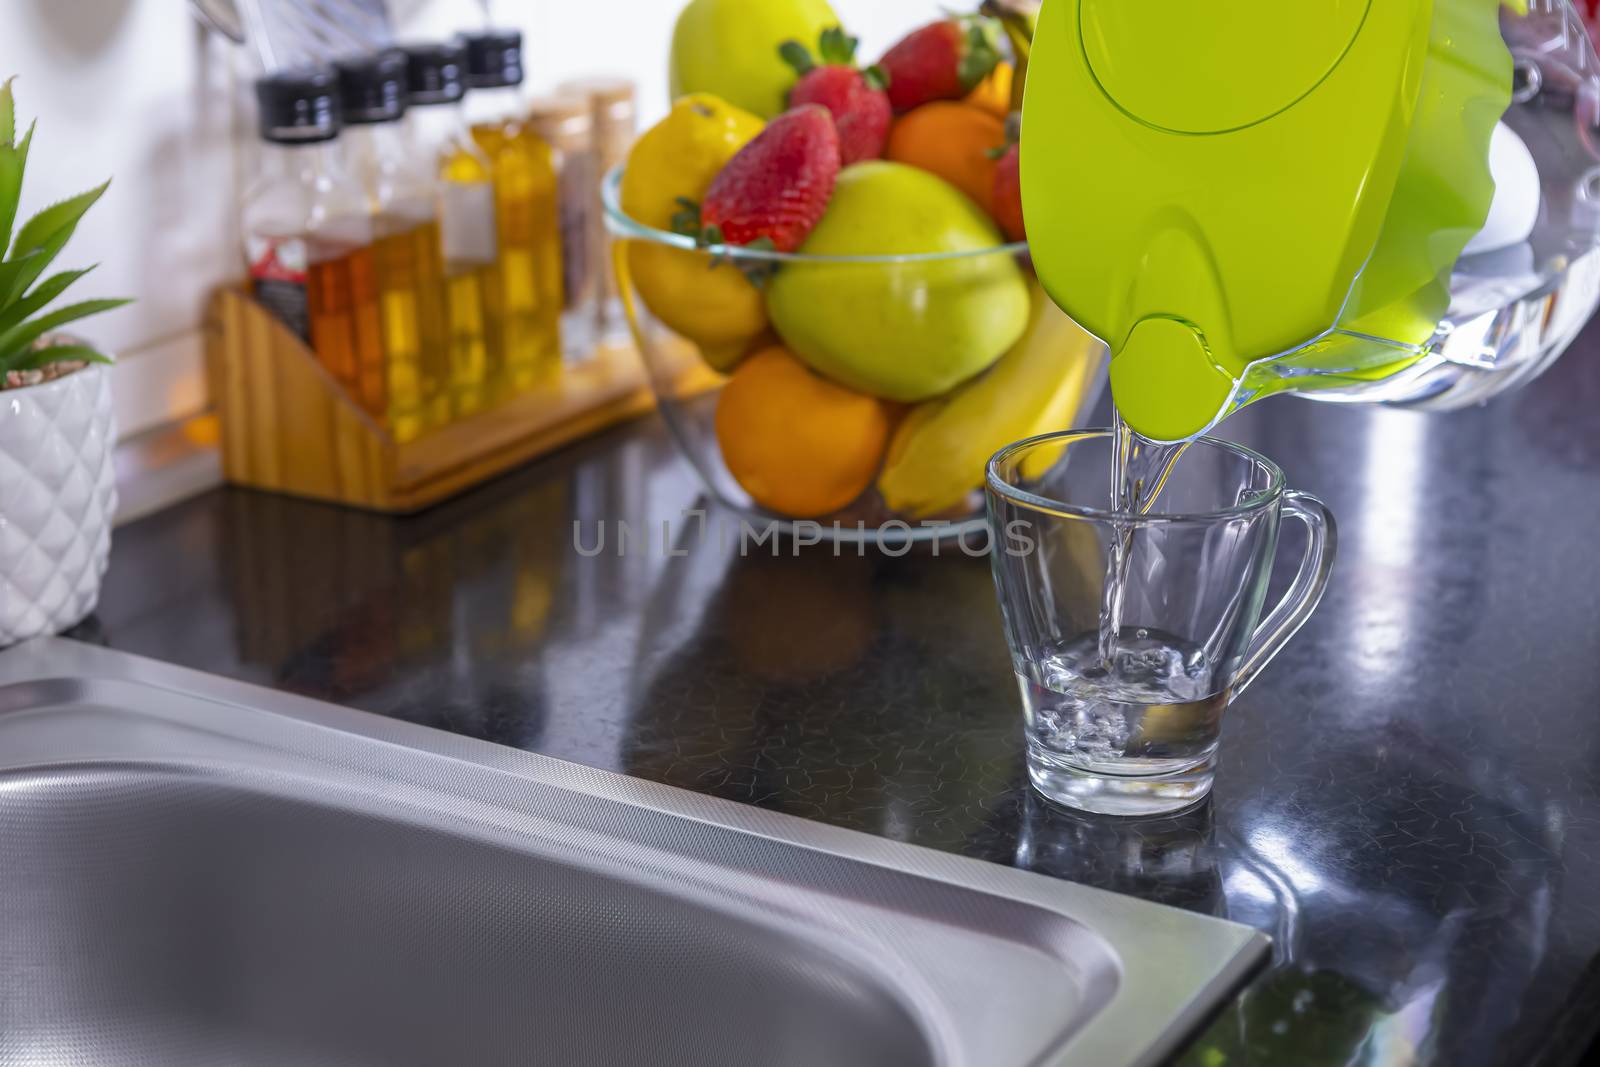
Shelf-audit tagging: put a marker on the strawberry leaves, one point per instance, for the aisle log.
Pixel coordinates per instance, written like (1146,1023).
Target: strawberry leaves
(686,220)
(835,48)
(687,223)
(982,54)
(797,56)
(838,49)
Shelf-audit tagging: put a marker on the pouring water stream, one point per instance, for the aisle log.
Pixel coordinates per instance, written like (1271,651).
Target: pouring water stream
(1140,468)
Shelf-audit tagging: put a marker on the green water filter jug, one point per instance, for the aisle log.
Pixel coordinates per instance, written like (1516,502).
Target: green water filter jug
(1250,197)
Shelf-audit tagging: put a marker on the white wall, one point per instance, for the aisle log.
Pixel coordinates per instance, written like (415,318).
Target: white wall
(135,90)
(131,89)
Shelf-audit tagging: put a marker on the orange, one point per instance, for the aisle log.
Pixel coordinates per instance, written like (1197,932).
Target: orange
(799,444)
(993,94)
(952,140)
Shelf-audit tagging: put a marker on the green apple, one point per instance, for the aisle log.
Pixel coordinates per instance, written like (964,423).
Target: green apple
(904,331)
(730,48)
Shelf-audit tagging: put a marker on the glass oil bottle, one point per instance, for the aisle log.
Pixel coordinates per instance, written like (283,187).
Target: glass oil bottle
(474,309)
(402,193)
(308,234)
(614,118)
(528,203)
(566,124)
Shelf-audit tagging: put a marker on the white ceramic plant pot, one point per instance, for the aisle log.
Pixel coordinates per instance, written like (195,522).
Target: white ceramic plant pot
(58,496)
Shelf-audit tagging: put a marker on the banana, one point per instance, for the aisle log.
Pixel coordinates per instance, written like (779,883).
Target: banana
(938,455)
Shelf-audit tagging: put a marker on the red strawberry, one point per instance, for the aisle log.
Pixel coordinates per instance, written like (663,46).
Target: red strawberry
(1008,186)
(778,186)
(942,61)
(1008,194)
(856,98)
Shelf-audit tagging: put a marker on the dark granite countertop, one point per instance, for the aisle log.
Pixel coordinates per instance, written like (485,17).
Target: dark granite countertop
(1409,799)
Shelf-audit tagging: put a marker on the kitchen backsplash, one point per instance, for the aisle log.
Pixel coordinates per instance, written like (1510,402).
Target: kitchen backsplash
(167,230)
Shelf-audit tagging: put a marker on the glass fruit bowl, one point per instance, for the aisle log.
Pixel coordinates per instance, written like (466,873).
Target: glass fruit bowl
(858,394)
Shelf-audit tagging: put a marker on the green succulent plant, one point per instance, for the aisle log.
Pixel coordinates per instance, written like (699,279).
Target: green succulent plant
(24,257)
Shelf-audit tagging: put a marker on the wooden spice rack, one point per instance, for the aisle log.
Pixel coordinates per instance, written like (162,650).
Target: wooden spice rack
(288,427)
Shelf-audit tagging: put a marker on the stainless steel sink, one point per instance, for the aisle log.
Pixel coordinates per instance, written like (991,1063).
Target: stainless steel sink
(195,871)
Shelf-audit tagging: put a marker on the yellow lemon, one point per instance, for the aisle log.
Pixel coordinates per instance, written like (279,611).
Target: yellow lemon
(710,303)
(677,159)
(680,155)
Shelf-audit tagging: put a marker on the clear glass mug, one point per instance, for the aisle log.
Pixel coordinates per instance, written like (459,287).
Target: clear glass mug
(1135,731)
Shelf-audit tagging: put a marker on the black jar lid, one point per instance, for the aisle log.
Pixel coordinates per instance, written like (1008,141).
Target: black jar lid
(435,73)
(373,88)
(494,58)
(299,106)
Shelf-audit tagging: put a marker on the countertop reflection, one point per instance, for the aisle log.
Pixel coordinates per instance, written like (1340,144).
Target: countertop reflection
(1407,801)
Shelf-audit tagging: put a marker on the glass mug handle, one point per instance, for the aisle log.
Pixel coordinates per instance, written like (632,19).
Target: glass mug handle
(1303,596)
